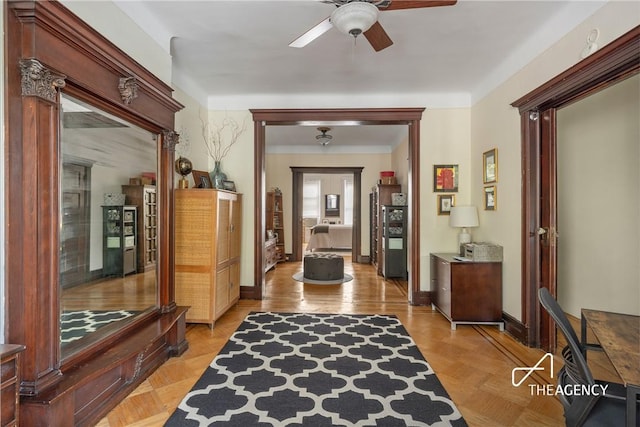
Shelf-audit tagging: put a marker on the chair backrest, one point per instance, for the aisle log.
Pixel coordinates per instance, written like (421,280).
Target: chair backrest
(575,370)
(577,367)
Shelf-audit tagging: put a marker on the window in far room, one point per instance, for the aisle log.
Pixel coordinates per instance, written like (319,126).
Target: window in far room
(347,185)
(311,199)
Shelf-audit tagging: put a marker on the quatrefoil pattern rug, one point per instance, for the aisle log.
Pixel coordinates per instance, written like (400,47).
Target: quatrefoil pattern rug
(318,370)
(76,324)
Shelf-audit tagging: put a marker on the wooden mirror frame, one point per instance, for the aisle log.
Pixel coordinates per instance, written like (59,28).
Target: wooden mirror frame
(47,49)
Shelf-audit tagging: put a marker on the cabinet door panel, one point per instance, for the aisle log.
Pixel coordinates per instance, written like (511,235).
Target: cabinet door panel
(443,270)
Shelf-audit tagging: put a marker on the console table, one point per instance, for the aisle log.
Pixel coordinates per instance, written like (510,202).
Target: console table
(467,292)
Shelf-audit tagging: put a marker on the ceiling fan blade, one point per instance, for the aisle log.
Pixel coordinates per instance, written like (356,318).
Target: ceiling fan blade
(312,34)
(408,4)
(378,37)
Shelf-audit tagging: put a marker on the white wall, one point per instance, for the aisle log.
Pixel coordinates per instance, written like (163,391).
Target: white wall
(599,201)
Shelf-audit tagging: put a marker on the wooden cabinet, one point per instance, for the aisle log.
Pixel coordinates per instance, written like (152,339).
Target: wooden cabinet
(144,198)
(381,196)
(208,238)
(270,254)
(119,240)
(394,241)
(10,384)
(465,291)
(274,221)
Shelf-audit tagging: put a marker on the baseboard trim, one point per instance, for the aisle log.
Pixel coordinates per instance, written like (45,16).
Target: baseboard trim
(421,298)
(515,328)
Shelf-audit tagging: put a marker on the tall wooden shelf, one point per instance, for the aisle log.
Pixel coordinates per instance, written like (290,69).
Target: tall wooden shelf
(275,221)
(144,198)
(208,237)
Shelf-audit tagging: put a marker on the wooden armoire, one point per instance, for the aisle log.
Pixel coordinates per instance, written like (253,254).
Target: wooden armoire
(208,243)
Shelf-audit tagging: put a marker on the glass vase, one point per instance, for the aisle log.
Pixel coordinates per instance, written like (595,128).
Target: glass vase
(217,176)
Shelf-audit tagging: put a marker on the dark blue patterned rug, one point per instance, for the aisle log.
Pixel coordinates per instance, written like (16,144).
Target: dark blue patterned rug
(318,370)
(76,324)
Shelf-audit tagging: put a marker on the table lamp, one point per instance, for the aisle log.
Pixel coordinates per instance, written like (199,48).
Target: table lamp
(463,217)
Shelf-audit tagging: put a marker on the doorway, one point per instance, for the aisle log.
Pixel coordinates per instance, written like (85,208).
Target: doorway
(613,63)
(297,214)
(394,116)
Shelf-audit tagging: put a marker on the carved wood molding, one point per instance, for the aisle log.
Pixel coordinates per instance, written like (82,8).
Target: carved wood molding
(128,87)
(38,80)
(170,139)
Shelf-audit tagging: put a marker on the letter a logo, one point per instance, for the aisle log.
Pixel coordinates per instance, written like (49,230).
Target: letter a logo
(530,371)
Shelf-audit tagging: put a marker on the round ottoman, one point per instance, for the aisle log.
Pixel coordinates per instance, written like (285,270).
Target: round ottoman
(323,266)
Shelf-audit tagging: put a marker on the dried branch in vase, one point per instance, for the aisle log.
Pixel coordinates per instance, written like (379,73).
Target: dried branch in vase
(219,138)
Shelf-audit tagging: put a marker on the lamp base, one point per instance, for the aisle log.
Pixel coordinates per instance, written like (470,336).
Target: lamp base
(463,238)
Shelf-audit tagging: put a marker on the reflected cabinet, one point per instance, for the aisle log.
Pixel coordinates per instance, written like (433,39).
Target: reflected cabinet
(144,198)
(82,119)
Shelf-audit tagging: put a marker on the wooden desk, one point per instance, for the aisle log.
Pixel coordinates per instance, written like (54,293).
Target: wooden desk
(619,337)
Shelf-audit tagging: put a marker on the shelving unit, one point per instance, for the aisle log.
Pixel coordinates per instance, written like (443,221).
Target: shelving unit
(275,222)
(119,240)
(381,196)
(394,241)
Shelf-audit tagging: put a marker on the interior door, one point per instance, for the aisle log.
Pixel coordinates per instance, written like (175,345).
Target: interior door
(74,232)
(547,233)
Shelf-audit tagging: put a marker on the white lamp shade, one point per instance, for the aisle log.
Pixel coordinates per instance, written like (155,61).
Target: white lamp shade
(355,17)
(463,216)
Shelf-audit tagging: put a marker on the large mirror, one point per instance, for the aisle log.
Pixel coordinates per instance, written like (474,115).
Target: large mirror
(108,239)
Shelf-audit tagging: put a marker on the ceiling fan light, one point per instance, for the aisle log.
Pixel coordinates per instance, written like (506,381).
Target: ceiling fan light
(355,17)
(324,139)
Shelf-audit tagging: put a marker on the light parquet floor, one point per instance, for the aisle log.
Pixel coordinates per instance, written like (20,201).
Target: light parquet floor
(474,363)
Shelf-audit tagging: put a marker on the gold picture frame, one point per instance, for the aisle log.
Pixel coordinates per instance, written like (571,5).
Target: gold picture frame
(490,198)
(445,202)
(490,166)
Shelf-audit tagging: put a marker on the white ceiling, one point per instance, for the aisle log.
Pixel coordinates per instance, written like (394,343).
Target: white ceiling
(235,55)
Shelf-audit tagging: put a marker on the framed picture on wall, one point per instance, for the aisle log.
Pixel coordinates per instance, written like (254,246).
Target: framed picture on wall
(201,179)
(445,201)
(490,166)
(490,198)
(445,178)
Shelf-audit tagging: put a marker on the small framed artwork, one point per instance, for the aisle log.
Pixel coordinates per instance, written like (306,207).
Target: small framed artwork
(445,201)
(490,166)
(490,198)
(229,185)
(201,179)
(445,178)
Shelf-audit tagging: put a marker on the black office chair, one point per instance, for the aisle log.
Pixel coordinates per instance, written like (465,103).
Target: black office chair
(583,410)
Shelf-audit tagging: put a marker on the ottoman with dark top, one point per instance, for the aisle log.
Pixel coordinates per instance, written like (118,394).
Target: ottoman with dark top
(323,266)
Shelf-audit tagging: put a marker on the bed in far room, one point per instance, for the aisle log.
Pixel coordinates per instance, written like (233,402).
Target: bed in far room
(330,236)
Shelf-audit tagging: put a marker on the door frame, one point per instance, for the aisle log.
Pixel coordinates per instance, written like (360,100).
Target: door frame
(614,62)
(296,216)
(348,116)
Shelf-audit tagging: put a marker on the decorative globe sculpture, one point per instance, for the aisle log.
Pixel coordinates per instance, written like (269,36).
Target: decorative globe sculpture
(184,168)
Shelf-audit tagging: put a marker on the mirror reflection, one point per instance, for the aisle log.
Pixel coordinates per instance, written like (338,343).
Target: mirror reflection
(108,244)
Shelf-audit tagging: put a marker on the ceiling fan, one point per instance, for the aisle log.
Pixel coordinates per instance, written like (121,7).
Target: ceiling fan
(357,17)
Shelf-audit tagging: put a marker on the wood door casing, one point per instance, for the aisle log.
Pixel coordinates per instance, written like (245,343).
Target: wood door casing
(612,63)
